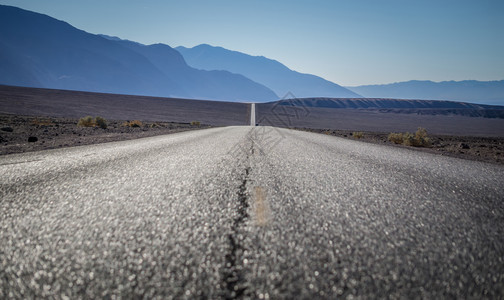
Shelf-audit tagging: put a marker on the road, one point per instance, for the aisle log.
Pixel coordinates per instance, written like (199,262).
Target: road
(249,212)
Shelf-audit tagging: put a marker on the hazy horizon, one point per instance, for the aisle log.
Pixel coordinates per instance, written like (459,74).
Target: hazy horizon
(351,44)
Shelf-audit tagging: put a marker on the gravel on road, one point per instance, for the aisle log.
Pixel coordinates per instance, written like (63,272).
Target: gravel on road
(249,212)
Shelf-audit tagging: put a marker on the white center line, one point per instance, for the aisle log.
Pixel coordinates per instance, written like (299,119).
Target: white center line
(252,114)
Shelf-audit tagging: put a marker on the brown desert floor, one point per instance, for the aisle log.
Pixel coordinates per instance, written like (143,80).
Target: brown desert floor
(74,104)
(486,149)
(374,120)
(51,117)
(473,138)
(27,133)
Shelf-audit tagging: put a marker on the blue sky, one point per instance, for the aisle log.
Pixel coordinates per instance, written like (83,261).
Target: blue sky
(350,42)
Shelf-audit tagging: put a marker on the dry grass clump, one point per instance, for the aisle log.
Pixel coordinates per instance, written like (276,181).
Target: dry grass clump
(419,139)
(101,122)
(358,134)
(89,121)
(38,122)
(195,123)
(86,121)
(134,123)
(396,138)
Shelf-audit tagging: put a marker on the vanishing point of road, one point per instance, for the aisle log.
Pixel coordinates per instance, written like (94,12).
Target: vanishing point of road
(249,212)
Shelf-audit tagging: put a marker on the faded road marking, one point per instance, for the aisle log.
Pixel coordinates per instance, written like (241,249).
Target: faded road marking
(262,211)
(252,114)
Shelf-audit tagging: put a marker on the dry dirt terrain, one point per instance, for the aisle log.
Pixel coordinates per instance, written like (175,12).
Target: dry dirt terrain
(48,118)
(461,133)
(27,133)
(74,104)
(375,120)
(487,149)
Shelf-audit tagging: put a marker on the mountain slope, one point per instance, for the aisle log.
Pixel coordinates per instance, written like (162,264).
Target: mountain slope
(39,51)
(202,84)
(58,55)
(265,71)
(484,92)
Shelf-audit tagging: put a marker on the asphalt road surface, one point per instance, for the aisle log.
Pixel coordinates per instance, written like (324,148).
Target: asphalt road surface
(249,212)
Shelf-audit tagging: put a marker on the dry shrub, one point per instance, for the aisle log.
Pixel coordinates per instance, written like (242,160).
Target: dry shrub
(396,138)
(419,139)
(86,121)
(195,123)
(89,121)
(38,122)
(358,134)
(134,123)
(101,122)
(409,139)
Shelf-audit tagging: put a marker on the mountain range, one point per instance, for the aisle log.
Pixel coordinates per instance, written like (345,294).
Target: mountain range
(482,92)
(40,51)
(285,82)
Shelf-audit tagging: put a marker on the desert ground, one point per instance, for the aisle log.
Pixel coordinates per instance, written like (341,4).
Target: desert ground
(36,119)
(474,138)
(487,149)
(73,104)
(28,133)
(376,120)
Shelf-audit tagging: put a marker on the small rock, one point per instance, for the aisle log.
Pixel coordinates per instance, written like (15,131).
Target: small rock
(32,139)
(464,146)
(7,129)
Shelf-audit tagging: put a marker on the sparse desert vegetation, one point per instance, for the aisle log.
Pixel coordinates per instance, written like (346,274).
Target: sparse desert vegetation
(26,133)
(396,138)
(195,123)
(358,134)
(419,139)
(89,121)
(86,122)
(488,149)
(134,123)
(101,122)
(42,122)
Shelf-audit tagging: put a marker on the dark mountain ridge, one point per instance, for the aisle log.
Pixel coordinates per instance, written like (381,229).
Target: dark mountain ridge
(40,51)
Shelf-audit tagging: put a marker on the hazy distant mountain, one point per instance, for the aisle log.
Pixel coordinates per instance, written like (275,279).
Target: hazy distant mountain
(265,71)
(200,83)
(39,51)
(403,106)
(484,92)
